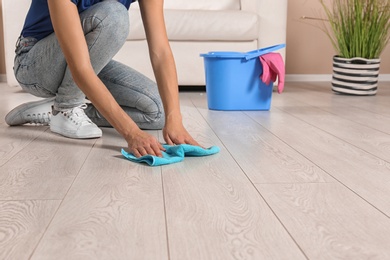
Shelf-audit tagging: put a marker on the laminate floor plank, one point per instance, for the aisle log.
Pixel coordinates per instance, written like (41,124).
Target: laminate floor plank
(366,138)
(320,94)
(261,155)
(214,212)
(329,221)
(342,106)
(45,169)
(364,173)
(22,224)
(114,210)
(15,139)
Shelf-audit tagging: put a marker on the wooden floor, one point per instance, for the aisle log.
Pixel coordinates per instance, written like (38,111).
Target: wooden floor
(309,179)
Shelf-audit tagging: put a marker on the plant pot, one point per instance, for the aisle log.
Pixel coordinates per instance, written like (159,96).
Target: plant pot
(355,76)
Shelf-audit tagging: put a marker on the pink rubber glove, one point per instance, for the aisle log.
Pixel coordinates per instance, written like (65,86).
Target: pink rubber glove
(273,66)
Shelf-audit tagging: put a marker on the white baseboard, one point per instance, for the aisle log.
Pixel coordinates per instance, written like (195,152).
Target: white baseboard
(322,77)
(3,78)
(308,77)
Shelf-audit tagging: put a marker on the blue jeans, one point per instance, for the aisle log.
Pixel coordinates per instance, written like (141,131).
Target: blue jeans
(41,69)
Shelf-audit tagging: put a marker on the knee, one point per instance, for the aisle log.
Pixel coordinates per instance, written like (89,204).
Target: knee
(117,20)
(154,120)
(160,120)
(109,17)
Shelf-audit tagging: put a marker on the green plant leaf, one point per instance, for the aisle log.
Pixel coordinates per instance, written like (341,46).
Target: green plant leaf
(358,28)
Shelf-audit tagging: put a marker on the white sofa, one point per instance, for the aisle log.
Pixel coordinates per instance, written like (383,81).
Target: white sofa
(194,27)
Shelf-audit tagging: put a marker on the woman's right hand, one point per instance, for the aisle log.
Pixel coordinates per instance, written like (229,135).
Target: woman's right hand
(141,143)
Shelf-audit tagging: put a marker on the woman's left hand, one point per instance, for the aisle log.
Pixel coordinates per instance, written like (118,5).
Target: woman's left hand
(175,133)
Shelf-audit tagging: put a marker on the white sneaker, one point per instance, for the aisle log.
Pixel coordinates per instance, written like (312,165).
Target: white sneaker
(36,112)
(74,123)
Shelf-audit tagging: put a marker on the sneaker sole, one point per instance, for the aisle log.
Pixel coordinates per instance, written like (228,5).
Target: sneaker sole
(70,135)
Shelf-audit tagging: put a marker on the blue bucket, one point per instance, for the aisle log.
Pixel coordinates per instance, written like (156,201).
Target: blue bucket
(233,80)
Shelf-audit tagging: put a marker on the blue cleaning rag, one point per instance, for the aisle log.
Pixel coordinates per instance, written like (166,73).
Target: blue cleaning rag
(172,154)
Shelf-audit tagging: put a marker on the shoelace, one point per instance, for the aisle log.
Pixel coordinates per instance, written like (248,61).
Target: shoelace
(39,118)
(77,115)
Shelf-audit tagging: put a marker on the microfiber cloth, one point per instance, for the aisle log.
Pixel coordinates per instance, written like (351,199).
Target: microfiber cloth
(172,154)
(273,66)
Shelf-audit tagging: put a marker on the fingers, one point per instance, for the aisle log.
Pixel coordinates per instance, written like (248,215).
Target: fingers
(193,142)
(145,144)
(181,140)
(168,139)
(136,153)
(160,147)
(154,150)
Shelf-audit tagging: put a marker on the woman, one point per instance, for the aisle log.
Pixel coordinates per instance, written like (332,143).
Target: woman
(65,60)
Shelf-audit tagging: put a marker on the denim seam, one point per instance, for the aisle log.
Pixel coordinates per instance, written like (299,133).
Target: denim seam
(94,29)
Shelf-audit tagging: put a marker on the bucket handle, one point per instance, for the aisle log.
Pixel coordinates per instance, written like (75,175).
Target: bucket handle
(257,53)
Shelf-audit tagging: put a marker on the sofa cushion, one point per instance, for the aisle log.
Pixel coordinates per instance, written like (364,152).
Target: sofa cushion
(198,5)
(202,4)
(198,25)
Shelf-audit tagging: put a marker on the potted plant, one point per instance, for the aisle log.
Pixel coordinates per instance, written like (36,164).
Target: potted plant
(359,32)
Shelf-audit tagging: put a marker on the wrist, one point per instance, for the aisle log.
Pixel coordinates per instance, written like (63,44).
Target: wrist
(173,118)
(130,131)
